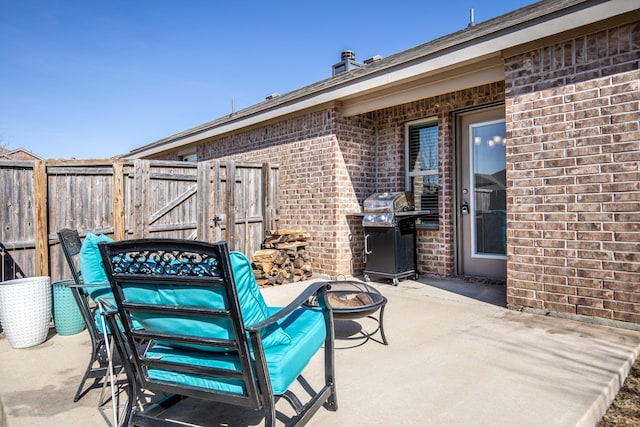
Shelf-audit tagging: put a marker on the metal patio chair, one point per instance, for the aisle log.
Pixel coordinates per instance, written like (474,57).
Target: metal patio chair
(208,334)
(98,368)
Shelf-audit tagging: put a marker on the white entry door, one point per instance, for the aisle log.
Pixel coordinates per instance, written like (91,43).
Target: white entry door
(482,214)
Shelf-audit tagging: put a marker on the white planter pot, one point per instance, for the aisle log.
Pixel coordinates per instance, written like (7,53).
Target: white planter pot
(25,310)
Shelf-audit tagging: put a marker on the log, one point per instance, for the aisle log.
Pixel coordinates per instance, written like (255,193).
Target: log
(265,255)
(285,231)
(290,245)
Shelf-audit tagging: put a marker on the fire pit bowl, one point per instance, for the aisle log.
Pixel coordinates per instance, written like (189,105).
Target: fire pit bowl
(350,300)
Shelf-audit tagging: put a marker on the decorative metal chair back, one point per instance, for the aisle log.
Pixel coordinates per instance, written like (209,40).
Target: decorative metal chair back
(190,336)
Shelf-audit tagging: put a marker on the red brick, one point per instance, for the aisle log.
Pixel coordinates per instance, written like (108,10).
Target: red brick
(594,312)
(560,308)
(583,302)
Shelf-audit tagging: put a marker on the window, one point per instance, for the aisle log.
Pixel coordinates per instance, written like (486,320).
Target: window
(192,157)
(422,169)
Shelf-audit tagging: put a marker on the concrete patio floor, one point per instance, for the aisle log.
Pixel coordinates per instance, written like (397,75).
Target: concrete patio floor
(456,357)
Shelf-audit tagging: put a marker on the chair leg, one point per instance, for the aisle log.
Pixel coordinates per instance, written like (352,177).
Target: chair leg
(95,353)
(132,398)
(332,401)
(87,372)
(79,392)
(270,412)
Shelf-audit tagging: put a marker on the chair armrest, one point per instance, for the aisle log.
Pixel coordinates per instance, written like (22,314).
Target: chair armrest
(108,305)
(87,285)
(71,283)
(311,290)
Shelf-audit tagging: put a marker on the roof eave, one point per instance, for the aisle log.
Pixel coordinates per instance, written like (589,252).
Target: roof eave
(360,91)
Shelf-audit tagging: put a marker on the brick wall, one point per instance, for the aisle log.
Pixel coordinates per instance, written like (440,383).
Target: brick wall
(573,176)
(329,164)
(325,173)
(435,248)
(356,179)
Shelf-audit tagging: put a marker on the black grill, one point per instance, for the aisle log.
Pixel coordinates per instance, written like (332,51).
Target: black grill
(389,223)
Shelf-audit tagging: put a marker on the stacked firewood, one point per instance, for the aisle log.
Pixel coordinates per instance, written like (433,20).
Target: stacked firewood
(283,258)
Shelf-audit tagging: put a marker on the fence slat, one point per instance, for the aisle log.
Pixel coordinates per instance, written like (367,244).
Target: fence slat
(216,198)
(204,202)
(142,178)
(267,210)
(231,205)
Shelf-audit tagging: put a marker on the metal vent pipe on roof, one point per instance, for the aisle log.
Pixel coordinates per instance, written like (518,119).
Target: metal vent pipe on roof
(348,54)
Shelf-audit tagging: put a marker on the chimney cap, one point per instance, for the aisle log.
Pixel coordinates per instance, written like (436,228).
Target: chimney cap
(348,54)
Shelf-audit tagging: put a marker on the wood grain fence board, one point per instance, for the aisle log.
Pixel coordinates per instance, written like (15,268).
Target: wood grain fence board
(217,201)
(205,203)
(141,197)
(267,201)
(231,203)
(17,216)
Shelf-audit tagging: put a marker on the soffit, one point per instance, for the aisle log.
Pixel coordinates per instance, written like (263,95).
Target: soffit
(438,82)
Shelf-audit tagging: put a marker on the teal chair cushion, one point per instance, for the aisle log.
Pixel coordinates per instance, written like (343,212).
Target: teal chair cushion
(305,328)
(252,306)
(91,265)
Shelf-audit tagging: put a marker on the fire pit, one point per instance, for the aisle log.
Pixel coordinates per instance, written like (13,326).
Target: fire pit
(352,300)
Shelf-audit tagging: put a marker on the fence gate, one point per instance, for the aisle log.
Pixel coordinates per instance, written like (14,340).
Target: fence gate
(209,200)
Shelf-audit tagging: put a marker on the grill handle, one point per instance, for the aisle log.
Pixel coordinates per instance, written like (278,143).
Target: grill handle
(366,246)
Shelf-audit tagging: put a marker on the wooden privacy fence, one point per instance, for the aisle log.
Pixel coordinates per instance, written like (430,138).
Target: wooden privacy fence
(124,199)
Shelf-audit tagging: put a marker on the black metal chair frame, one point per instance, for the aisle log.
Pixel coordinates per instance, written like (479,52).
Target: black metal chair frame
(126,263)
(71,243)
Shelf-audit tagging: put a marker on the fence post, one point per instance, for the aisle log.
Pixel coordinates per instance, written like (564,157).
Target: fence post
(40,221)
(117,209)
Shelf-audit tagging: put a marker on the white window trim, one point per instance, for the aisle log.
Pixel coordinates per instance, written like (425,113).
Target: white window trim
(431,120)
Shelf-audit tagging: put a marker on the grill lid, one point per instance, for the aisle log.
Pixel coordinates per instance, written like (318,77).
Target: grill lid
(380,209)
(400,201)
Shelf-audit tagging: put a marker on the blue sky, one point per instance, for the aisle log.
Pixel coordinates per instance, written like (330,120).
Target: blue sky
(98,78)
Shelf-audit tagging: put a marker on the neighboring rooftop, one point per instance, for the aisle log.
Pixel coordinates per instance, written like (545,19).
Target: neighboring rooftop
(18,154)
